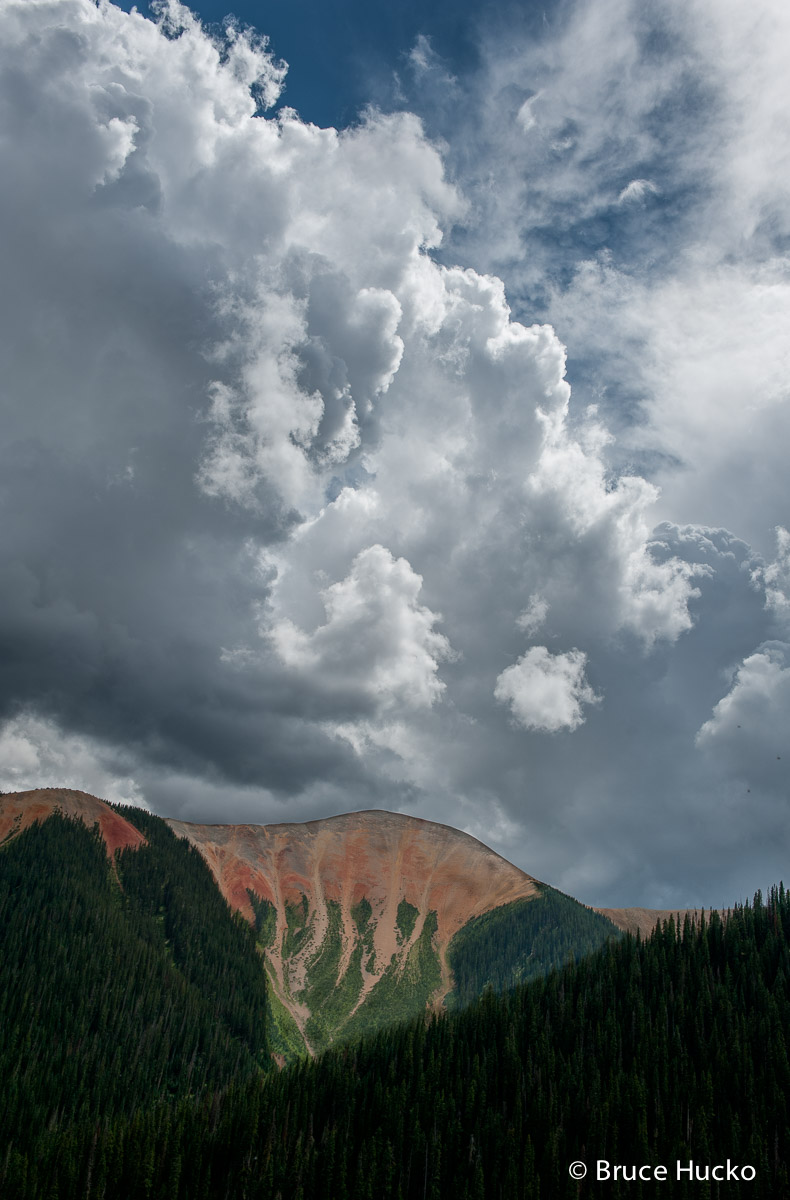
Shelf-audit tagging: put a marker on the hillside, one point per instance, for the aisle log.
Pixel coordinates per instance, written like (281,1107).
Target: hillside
(363,919)
(650,1054)
(136,1025)
(355,912)
(124,980)
(20,810)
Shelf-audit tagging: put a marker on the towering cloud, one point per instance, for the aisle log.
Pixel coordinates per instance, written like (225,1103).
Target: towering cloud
(297,515)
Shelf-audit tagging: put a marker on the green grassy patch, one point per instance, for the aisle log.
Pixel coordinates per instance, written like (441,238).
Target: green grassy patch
(298,927)
(282,1032)
(330,1000)
(360,915)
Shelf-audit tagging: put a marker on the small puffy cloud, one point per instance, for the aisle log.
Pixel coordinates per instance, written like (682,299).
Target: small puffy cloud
(378,643)
(546,691)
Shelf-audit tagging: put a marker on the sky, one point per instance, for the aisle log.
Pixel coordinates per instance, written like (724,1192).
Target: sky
(395,415)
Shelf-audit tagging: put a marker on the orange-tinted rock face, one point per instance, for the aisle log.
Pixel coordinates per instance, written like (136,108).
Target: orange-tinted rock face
(332,865)
(20,809)
(384,857)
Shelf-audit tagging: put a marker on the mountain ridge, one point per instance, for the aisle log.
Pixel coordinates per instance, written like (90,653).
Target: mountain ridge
(135,1061)
(405,868)
(19,809)
(136,1053)
(356,914)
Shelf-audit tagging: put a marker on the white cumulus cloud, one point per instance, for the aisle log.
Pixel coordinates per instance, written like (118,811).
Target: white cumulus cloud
(263,424)
(377,642)
(546,691)
(35,752)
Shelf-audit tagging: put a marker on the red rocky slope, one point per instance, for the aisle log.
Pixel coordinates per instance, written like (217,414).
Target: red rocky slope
(316,874)
(20,809)
(384,858)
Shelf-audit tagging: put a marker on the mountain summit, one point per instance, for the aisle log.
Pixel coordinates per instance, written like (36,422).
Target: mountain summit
(19,810)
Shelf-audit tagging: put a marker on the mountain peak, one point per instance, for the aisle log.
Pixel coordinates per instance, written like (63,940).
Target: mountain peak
(18,810)
(372,853)
(369,890)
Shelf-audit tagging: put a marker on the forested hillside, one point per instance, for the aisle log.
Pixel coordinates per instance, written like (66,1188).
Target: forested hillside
(124,980)
(643,1053)
(523,941)
(355,915)
(363,920)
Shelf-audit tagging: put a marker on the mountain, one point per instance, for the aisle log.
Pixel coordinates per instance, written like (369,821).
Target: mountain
(362,919)
(365,918)
(20,810)
(135,1053)
(655,1067)
(355,912)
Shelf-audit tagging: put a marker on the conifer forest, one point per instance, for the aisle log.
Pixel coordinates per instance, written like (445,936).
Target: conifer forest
(134,1059)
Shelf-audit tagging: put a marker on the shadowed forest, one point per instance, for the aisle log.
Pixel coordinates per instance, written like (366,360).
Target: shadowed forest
(134,1063)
